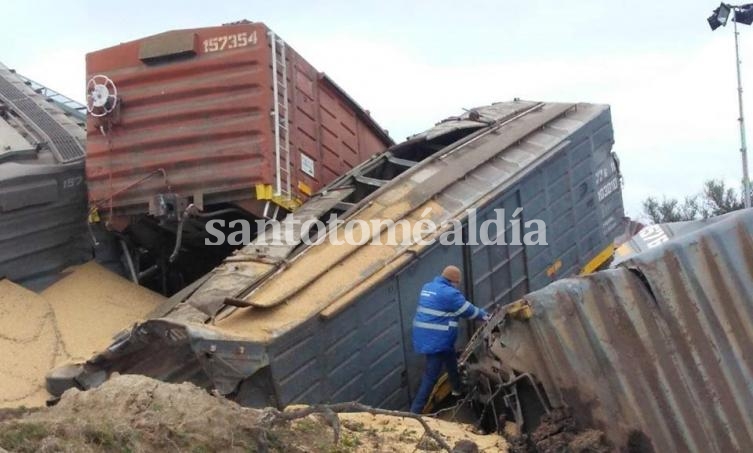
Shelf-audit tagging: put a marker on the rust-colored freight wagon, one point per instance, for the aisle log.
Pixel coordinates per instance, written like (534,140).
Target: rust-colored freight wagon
(226,114)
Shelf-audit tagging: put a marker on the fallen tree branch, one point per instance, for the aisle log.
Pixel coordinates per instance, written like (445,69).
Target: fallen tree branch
(331,418)
(340,408)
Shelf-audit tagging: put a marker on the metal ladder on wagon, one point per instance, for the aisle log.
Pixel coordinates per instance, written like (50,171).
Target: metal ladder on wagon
(282,196)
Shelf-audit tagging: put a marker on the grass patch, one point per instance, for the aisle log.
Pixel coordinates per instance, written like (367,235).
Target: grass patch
(349,440)
(108,439)
(22,437)
(408,436)
(349,443)
(307,425)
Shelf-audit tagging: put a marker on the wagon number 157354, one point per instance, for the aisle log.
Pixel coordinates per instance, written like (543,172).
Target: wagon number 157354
(229,42)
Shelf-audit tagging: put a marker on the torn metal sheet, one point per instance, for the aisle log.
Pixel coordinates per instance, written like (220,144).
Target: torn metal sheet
(175,351)
(260,259)
(658,352)
(651,236)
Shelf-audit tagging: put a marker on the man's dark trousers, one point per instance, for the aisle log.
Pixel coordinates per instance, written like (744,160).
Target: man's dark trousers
(434,364)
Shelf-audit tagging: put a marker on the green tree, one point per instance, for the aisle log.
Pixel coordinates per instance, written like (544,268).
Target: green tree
(715,199)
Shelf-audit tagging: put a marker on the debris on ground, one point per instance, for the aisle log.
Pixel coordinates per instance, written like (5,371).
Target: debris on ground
(65,323)
(558,433)
(139,414)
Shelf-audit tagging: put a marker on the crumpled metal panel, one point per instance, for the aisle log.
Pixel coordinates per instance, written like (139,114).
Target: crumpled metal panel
(176,351)
(658,351)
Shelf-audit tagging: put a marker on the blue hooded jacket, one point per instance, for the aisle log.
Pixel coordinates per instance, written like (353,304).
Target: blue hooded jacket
(435,326)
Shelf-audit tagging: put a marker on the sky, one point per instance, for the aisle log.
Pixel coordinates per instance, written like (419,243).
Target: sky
(669,79)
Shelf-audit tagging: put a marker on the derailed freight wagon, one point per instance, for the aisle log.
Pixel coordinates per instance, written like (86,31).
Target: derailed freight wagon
(42,186)
(220,122)
(297,323)
(655,352)
(219,111)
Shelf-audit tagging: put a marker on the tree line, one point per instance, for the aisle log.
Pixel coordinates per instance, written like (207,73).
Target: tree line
(714,199)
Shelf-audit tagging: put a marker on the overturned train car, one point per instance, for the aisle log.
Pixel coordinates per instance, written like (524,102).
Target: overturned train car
(286,322)
(42,186)
(655,352)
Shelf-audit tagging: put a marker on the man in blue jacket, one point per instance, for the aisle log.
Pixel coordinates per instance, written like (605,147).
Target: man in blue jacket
(435,329)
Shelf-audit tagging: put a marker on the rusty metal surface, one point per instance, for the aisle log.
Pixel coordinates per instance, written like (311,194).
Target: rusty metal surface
(170,44)
(657,351)
(203,115)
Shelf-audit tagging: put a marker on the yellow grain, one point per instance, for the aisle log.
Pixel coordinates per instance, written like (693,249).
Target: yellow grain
(70,321)
(92,304)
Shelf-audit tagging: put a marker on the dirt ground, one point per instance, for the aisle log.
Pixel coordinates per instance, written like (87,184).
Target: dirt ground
(136,414)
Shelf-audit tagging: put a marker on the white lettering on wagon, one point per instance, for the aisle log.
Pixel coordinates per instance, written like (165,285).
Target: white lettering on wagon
(228,42)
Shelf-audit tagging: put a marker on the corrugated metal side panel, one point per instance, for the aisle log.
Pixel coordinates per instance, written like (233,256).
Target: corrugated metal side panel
(206,120)
(326,128)
(357,356)
(564,192)
(607,184)
(568,194)
(672,365)
(499,273)
(296,366)
(703,285)
(39,240)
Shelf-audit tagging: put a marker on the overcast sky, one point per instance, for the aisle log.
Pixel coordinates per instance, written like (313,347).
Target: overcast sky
(669,79)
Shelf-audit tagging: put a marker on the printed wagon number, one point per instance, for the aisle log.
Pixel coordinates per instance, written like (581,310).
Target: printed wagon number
(605,190)
(73,182)
(229,42)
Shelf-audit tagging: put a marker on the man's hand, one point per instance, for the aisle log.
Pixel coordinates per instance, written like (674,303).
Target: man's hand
(487,317)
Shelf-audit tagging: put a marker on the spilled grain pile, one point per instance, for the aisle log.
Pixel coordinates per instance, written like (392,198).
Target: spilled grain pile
(29,344)
(91,304)
(69,321)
